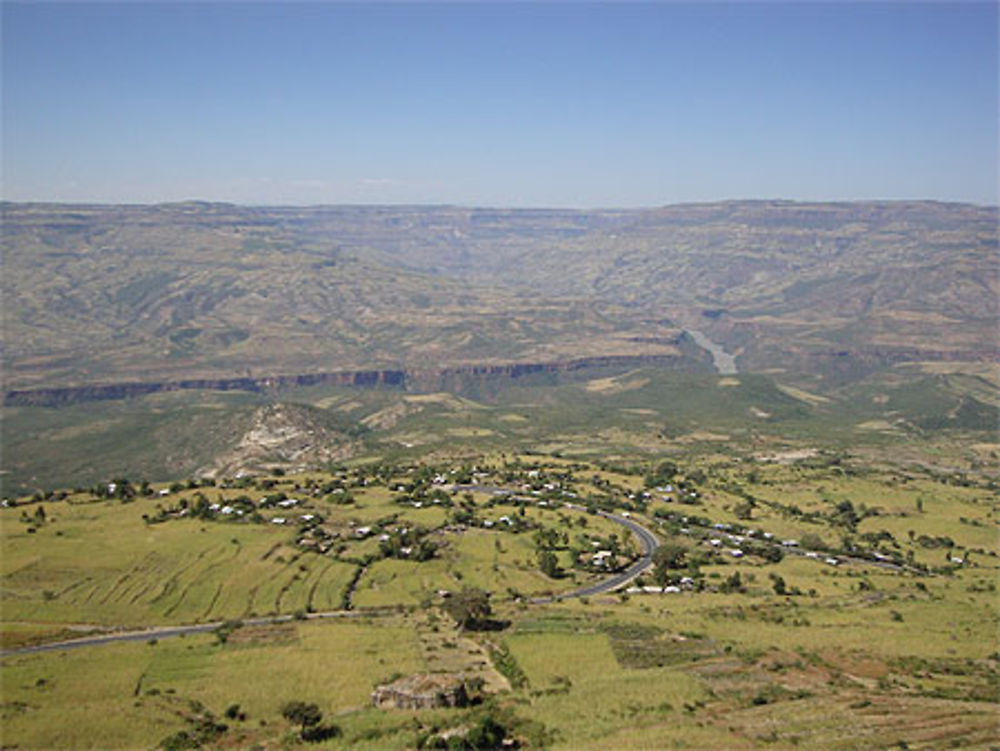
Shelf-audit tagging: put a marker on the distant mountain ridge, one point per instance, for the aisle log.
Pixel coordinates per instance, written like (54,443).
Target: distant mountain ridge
(827,291)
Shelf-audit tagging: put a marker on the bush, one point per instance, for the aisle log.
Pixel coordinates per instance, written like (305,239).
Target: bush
(233,712)
(302,714)
(317,733)
(486,734)
(180,742)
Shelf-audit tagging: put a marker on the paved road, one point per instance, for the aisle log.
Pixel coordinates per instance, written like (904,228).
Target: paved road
(649,544)
(164,632)
(646,538)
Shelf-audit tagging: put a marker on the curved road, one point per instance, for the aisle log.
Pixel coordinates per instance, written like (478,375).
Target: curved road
(646,539)
(649,544)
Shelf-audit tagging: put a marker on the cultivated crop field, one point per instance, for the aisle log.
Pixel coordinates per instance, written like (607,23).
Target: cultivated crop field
(811,600)
(109,562)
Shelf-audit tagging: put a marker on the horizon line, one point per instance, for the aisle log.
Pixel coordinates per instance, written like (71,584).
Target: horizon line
(494,207)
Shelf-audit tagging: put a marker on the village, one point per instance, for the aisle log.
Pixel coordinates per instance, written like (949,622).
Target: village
(474,598)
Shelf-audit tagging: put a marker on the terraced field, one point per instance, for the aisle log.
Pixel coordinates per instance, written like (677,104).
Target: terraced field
(140,574)
(895,644)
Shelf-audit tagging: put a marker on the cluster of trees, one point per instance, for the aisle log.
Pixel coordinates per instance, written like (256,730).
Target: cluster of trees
(668,473)
(669,561)
(37,519)
(486,734)
(547,541)
(199,507)
(410,543)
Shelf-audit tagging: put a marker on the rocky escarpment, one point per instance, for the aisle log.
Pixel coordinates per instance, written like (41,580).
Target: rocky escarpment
(59,396)
(415,379)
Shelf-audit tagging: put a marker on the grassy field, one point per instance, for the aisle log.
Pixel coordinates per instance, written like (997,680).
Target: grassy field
(853,656)
(133,696)
(137,573)
(100,561)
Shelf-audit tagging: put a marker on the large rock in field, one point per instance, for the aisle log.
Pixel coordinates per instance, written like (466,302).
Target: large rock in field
(421,692)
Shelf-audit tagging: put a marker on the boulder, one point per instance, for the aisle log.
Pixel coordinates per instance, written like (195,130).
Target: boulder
(422,691)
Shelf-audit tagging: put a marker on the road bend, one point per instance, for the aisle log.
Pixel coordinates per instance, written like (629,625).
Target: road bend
(649,544)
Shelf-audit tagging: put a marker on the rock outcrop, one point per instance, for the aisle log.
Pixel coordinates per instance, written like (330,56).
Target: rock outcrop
(289,436)
(423,691)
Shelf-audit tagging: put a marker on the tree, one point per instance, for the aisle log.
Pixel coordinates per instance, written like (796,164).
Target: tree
(733,583)
(470,608)
(846,516)
(779,585)
(548,563)
(669,557)
(812,541)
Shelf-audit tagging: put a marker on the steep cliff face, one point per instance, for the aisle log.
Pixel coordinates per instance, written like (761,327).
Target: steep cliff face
(690,357)
(422,379)
(55,397)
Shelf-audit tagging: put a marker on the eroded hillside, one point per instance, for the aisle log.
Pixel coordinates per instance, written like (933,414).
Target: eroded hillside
(99,294)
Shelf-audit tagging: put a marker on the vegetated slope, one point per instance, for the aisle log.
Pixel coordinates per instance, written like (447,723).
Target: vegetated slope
(181,290)
(168,437)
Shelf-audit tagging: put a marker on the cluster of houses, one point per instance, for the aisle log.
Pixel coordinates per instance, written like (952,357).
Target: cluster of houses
(668,494)
(724,539)
(506,520)
(686,583)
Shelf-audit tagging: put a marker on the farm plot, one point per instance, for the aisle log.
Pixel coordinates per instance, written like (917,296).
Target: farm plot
(100,563)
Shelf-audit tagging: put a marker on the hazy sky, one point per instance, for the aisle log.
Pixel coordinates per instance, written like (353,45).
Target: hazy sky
(499,104)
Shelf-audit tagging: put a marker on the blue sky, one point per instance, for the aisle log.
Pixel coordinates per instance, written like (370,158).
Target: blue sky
(564,104)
